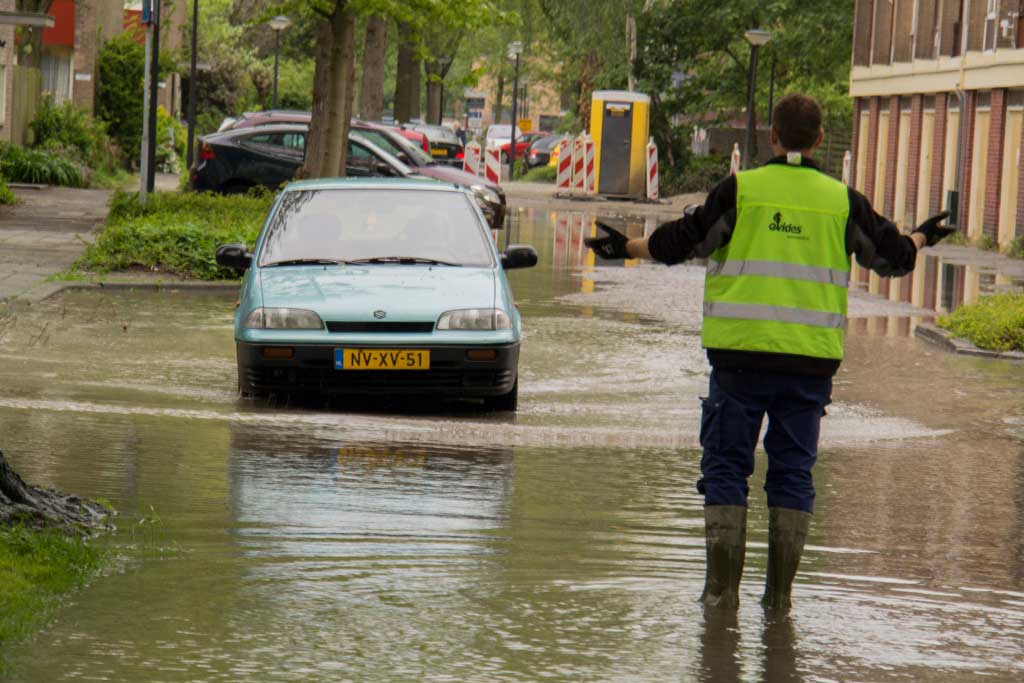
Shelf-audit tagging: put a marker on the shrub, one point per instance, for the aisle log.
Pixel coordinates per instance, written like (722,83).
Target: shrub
(541,174)
(39,166)
(697,174)
(6,196)
(68,128)
(171,139)
(176,232)
(994,322)
(1016,249)
(119,91)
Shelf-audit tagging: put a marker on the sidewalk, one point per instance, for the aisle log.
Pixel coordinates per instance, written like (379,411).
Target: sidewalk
(43,234)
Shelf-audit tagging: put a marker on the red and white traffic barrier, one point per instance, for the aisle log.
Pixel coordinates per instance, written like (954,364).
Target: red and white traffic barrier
(563,181)
(578,165)
(589,168)
(493,164)
(848,168)
(471,160)
(734,164)
(652,170)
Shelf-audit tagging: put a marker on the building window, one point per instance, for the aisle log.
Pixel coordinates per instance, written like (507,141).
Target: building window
(991,26)
(3,94)
(57,80)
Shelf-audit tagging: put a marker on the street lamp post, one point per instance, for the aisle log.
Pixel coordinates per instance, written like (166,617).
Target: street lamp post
(515,49)
(278,24)
(756,37)
(192,87)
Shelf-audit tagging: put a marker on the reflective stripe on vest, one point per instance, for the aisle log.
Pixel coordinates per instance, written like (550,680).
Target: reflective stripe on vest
(779,285)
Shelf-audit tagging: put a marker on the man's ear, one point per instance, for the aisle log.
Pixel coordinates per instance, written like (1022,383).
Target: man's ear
(821,136)
(774,139)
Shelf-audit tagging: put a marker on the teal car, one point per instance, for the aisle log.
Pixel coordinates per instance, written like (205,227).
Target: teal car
(378,286)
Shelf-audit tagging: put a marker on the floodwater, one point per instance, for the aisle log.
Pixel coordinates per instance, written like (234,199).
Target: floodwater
(275,542)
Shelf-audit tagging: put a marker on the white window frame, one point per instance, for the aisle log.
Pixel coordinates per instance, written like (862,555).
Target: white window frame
(991,26)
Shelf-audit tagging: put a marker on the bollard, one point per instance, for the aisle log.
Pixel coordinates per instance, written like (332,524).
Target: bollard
(734,164)
(652,170)
(563,181)
(493,165)
(589,170)
(471,160)
(847,168)
(578,165)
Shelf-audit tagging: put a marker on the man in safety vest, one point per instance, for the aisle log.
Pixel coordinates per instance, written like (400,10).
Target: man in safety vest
(778,241)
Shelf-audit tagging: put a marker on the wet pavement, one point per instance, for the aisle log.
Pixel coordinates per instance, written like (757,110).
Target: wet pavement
(277,542)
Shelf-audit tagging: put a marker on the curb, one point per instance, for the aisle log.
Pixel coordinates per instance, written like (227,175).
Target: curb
(945,340)
(51,289)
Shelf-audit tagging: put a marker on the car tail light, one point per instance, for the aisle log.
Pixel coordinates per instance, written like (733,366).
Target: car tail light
(206,152)
(460,155)
(426,145)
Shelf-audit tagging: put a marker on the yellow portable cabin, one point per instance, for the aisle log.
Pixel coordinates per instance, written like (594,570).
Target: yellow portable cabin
(620,123)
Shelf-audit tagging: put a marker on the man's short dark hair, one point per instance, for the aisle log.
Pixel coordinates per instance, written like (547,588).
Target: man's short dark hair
(797,120)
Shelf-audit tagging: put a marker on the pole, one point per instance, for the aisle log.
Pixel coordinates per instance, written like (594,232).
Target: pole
(751,114)
(771,93)
(192,87)
(154,91)
(144,148)
(515,115)
(277,50)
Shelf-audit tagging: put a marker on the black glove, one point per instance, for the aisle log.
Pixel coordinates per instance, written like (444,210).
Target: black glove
(613,246)
(932,231)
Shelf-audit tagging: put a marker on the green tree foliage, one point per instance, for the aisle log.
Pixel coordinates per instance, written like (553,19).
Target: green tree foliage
(119,91)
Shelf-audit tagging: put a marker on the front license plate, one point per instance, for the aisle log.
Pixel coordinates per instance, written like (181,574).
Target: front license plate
(381,359)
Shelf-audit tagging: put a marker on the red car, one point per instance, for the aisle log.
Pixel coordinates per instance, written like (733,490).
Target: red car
(523,143)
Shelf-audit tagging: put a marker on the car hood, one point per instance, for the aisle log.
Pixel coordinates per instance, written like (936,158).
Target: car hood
(354,293)
(450,174)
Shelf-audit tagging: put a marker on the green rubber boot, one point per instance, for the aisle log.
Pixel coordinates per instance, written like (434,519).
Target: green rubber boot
(787,531)
(725,528)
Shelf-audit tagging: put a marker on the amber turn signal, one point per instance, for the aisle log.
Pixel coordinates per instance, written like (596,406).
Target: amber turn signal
(278,352)
(482,354)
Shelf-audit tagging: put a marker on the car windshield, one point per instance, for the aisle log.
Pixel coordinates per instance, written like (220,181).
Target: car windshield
(439,134)
(502,130)
(385,226)
(546,144)
(396,144)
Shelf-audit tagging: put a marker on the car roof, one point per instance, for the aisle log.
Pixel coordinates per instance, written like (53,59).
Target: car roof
(424,184)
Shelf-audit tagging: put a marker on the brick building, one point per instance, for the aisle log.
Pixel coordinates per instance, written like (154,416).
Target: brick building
(938,89)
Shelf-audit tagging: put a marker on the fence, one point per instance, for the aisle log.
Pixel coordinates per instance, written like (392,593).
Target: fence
(27,90)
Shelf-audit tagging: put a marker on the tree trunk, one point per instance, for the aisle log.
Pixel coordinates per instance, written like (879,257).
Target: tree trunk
(341,54)
(435,84)
(349,58)
(20,503)
(407,64)
(375,55)
(321,94)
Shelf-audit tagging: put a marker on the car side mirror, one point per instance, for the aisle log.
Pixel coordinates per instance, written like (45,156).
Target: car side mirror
(404,158)
(383,169)
(519,256)
(235,256)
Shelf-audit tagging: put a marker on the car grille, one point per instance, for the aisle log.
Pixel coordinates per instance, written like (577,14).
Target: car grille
(372,327)
(327,379)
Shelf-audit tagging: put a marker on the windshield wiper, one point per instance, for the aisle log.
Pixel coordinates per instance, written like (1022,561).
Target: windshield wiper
(307,262)
(405,261)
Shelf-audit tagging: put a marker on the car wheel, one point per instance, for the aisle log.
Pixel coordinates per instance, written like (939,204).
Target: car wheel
(505,403)
(237,187)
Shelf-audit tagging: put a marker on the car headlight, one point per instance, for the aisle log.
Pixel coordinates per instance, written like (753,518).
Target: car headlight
(475,319)
(486,194)
(283,319)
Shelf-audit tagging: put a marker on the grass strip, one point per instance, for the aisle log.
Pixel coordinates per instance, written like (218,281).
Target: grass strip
(37,567)
(177,232)
(993,322)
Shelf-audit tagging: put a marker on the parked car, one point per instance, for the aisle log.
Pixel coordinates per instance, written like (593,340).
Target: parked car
(394,140)
(539,153)
(385,286)
(445,147)
(268,155)
(236,160)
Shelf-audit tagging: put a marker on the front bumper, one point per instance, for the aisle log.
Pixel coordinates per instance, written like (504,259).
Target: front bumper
(311,371)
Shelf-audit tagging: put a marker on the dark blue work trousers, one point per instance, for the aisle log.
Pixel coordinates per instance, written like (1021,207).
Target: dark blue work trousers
(731,422)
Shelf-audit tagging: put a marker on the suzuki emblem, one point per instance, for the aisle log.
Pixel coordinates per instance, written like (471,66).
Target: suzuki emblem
(380,315)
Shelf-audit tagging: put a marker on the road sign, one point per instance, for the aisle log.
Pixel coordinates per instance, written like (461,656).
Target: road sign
(525,125)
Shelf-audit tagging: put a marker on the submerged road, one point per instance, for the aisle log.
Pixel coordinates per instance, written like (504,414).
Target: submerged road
(275,542)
